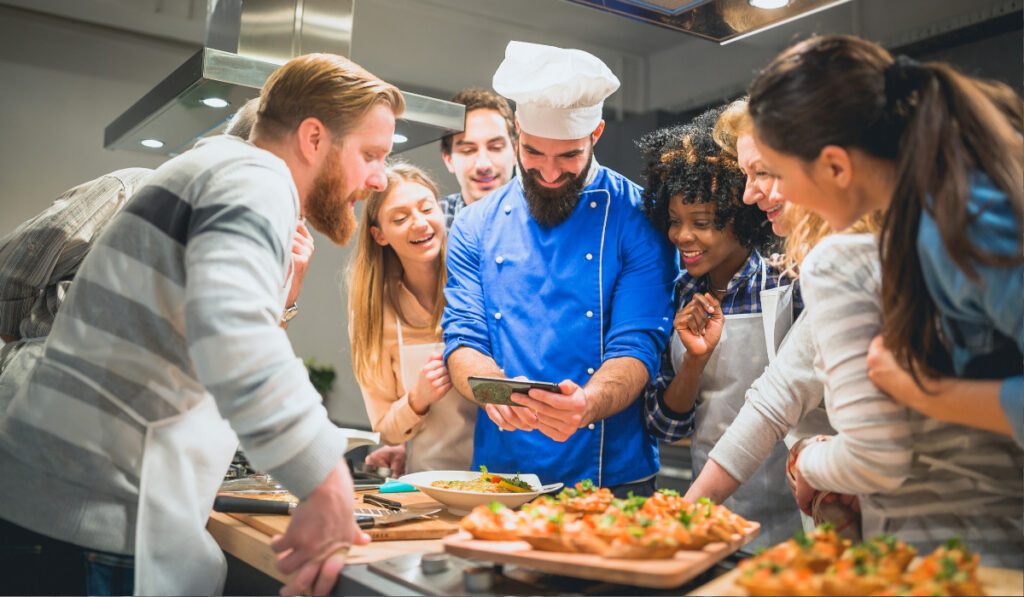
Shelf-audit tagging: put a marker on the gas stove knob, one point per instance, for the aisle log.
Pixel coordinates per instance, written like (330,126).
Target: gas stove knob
(434,563)
(478,579)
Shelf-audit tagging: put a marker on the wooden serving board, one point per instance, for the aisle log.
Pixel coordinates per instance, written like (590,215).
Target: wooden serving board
(656,574)
(995,581)
(441,525)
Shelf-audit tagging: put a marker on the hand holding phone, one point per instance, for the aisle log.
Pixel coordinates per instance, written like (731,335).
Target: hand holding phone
(499,390)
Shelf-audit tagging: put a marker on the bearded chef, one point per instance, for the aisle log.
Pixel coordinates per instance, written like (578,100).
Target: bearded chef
(558,276)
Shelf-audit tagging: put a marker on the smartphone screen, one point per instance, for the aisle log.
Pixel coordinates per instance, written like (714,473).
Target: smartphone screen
(498,390)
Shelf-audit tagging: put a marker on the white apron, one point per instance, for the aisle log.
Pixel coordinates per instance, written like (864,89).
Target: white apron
(734,365)
(184,463)
(445,438)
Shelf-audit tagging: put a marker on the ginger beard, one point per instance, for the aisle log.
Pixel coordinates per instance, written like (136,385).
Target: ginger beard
(326,210)
(552,206)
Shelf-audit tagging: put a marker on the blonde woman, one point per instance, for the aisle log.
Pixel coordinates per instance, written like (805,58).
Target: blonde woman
(396,300)
(787,400)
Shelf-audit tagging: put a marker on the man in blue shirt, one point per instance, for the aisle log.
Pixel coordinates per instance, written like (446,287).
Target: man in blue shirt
(558,276)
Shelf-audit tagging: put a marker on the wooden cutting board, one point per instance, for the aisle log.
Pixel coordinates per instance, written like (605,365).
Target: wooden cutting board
(656,574)
(441,525)
(995,581)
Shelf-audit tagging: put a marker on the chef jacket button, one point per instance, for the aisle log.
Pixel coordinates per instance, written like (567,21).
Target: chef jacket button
(591,426)
(590,370)
(589,256)
(497,315)
(590,313)
(508,209)
(499,259)
(593,204)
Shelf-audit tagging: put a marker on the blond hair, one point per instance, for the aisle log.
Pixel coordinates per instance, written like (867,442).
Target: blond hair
(374,275)
(734,122)
(807,229)
(328,87)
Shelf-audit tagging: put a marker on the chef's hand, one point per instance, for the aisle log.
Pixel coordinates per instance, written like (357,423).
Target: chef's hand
(302,252)
(322,529)
(432,384)
(511,418)
(558,415)
(392,457)
(699,324)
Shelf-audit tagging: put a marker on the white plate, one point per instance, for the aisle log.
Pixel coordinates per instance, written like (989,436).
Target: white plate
(461,502)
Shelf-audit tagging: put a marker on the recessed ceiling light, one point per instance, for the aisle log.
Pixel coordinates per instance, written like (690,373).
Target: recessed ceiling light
(214,102)
(399,138)
(768,4)
(154,143)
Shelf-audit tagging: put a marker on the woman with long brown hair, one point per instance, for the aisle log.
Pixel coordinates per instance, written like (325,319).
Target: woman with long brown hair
(846,129)
(396,300)
(943,153)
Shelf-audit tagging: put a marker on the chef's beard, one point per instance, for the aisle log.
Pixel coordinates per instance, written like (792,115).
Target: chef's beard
(552,206)
(325,210)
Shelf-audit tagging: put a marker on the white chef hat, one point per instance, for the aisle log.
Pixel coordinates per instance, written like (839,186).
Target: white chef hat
(558,93)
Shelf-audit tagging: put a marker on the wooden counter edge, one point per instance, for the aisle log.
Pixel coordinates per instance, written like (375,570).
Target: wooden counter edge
(252,545)
(245,543)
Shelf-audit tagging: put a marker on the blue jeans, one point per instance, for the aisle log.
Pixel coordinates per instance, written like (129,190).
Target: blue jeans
(34,564)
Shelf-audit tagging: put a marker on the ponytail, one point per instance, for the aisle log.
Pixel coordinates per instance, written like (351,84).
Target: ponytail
(938,127)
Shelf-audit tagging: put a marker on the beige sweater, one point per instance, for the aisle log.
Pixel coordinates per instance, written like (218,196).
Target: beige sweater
(386,398)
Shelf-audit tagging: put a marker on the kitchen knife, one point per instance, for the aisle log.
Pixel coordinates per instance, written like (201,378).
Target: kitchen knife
(244,505)
(369,522)
(383,502)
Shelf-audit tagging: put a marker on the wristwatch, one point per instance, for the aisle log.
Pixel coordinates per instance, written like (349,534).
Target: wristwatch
(290,312)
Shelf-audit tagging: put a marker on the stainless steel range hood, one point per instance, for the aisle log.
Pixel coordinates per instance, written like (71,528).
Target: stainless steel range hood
(245,42)
(723,21)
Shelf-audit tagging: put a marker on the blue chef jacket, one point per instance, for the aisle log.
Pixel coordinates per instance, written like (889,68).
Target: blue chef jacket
(552,303)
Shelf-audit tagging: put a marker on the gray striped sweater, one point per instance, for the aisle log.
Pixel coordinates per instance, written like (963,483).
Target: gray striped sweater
(179,298)
(918,478)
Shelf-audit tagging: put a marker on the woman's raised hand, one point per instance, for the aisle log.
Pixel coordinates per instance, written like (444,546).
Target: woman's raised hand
(432,384)
(699,324)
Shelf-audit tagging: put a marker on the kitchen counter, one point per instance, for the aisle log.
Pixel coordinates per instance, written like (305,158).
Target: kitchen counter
(252,546)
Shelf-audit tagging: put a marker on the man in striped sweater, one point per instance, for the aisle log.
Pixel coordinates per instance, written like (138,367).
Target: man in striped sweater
(168,346)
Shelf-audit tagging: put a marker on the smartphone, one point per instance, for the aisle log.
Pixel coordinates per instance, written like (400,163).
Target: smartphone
(498,390)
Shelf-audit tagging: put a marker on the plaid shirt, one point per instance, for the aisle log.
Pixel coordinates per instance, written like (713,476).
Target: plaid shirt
(742,295)
(451,205)
(41,256)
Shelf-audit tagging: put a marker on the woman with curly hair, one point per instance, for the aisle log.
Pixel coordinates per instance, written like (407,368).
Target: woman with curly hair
(693,194)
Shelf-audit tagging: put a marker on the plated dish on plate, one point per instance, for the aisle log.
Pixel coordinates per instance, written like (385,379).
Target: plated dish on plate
(486,483)
(452,489)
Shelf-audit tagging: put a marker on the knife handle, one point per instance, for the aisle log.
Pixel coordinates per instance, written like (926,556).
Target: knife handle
(244,505)
(382,501)
(365,522)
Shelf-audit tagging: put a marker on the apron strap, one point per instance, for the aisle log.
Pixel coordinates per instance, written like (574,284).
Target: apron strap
(764,272)
(401,369)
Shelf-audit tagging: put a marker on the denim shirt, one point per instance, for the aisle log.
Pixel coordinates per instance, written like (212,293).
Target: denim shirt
(983,318)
